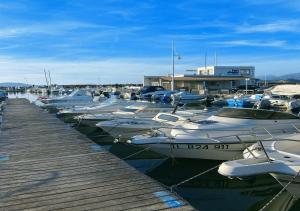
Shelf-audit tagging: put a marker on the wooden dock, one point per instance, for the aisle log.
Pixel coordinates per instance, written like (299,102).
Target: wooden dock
(47,165)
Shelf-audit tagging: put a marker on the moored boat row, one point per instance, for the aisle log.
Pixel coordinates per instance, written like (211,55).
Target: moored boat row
(229,133)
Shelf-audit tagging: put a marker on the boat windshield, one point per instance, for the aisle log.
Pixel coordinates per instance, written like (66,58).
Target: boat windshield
(244,113)
(129,109)
(169,118)
(206,122)
(78,92)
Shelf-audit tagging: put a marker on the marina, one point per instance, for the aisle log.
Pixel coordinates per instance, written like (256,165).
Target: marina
(149,105)
(180,148)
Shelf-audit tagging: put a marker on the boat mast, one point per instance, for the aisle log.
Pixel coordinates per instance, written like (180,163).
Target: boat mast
(46,78)
(50,82)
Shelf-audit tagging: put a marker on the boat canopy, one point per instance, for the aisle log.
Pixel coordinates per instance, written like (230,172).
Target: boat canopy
(285,89)
(245,113)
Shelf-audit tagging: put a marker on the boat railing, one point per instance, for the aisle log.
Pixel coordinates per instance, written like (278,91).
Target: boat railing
(243,131)
(271,138)
(256,137)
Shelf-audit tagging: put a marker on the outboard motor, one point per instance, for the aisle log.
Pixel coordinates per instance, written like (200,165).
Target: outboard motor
(133,96)
(106,94)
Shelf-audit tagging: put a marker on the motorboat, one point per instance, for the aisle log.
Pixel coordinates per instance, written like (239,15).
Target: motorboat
(284,97)
(280,103)
(279,157)
(163,96)
(146,92)
(126,128)
(113,107)
(222,136)
(79,95)
(107,106)
(132,111)
(186,97)
(136,110)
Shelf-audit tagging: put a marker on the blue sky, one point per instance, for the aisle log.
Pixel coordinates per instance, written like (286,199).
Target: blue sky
(115,41)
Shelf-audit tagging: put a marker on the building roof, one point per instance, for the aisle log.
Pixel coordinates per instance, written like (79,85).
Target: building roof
(230,66)
(205,78)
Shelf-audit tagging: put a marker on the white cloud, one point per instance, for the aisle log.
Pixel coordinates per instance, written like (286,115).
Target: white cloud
(290,4)
(280,26)
(190,37)
(280,44)
(68,72)
(51,28)
(254,43)
(130,70)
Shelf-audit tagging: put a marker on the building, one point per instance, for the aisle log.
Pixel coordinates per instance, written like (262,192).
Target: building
(211,79)
(247,71)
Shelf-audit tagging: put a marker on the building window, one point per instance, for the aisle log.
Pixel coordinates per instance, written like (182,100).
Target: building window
(245,72)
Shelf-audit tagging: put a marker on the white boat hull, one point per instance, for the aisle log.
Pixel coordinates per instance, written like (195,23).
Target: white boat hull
(88,122)
(124,133)
(213,151)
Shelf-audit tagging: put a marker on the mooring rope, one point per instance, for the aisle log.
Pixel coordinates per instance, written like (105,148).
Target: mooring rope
(198,175)
(280,192)
(136,153)
(193,177)
(154,166)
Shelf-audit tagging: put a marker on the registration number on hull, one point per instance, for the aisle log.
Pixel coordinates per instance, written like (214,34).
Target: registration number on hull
(200,146)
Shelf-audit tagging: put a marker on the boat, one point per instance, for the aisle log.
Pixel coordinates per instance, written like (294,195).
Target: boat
(222,136)
(130,111)
(284,97)
(144,111)
(146,92)
(187,97)
(279,157)
(124,129)
(79,97)
(107,106)
(163,96)
(280,103)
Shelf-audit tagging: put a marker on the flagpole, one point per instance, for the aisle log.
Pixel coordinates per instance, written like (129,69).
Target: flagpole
(173,67)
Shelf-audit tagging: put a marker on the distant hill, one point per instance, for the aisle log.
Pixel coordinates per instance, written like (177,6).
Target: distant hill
(293,77)
(13,84)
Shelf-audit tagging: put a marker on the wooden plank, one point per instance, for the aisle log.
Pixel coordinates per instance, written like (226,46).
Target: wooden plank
(48,165)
